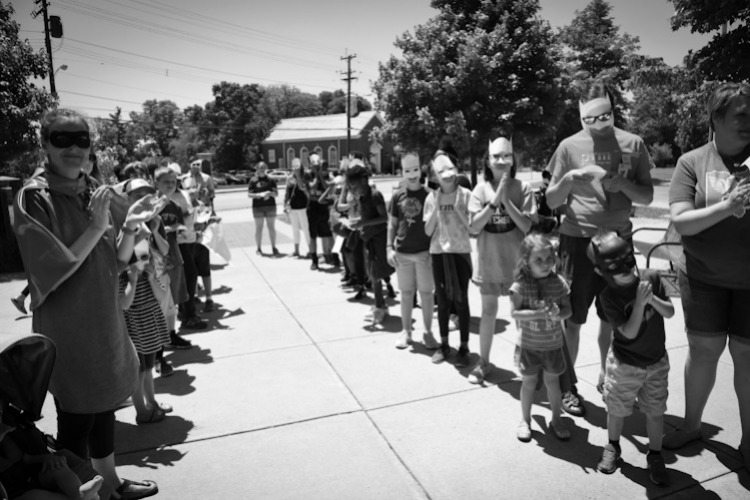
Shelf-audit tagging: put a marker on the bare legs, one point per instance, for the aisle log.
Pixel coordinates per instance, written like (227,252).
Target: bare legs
(487,326)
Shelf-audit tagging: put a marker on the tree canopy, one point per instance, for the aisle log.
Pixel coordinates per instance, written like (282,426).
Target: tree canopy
(475,70)
(21,102)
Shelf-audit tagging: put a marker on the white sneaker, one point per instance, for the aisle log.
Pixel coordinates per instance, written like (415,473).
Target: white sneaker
(429,341)
(479,373)
(404,339)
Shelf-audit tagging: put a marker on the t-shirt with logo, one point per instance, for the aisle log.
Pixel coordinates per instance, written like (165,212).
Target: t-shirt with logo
(407,206)
(499,241)
(451,234)
(259,185)
(718,255)
(590,208)
(648,346)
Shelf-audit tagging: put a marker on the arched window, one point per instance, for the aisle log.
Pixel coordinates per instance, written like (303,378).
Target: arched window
(289,157)
(333,157)
(304,157)
(319,151)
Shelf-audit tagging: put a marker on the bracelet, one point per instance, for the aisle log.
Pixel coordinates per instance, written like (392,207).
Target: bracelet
(129,232)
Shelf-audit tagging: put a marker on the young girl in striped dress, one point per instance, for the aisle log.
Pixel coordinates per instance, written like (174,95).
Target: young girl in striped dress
(145,321)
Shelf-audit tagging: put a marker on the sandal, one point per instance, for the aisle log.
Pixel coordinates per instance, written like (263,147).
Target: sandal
(133,490)
(164,407)
(560,430)
(153,416)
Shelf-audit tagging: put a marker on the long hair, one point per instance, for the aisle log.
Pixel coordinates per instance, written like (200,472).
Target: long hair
(533,241)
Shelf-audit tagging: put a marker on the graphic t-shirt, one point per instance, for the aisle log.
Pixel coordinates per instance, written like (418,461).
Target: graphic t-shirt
(590,208)
(499,240)
(259,185)
(540,334)
(720,254)
(648,346)
(408,206)
(182,200)
(451,234)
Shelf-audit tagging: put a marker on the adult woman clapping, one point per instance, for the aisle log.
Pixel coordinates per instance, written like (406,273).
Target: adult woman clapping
(708,198)
(72,253)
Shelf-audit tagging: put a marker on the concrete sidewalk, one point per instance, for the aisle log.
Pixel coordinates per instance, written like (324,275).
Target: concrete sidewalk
(291,394)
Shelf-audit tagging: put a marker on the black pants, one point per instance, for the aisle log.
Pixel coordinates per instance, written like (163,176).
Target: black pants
(88,435)
(191,278)
(459,297)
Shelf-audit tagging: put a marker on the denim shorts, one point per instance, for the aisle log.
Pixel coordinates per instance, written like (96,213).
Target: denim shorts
(713,311)
(624,383)
(414,272)
(264,212)
(530,361)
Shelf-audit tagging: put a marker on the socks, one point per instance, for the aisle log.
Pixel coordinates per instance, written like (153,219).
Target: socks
(616,444)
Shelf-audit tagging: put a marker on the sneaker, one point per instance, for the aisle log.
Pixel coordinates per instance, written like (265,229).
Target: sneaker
(404,339)
(479,373)
(314,265)
(463,358)
(453,322)
(361,294)
(208,306)
(441,354)
(657,470)
(523,432)
(610,458)
(177,342)
(429,342)
(164,368)
(19,305)
(193,324)
(573,404)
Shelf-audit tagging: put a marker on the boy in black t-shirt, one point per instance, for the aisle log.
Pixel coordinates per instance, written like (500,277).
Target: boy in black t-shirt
(637,363)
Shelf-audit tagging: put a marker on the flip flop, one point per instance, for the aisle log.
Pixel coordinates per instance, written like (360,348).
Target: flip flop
(133,490)
(165,407)
(153,416)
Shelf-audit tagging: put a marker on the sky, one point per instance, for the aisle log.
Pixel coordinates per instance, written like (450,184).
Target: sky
(124,52)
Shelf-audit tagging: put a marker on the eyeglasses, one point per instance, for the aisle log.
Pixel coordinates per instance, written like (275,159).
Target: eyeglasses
(64,140)
(588,120)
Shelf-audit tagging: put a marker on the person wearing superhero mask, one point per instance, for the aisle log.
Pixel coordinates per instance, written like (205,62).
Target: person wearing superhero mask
(597,175)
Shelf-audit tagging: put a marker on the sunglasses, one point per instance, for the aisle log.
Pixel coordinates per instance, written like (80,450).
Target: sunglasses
(64,140)
(588,120)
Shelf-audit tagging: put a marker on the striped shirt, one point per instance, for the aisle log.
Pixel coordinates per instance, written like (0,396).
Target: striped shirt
(540,334)
(145,321)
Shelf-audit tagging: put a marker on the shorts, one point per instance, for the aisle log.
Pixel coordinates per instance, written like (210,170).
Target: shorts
(578,271)
(264,212)
(530,361)
(494,288)
(414,271)
(318,221)
(202,260)
(713,311)
(623,383)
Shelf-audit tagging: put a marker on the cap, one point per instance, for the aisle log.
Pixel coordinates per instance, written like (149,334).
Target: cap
(139,185)
(611,254)
(176,168)
(410,161)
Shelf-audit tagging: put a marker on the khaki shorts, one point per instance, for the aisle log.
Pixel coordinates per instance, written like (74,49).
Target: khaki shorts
(624,383)
(414,272)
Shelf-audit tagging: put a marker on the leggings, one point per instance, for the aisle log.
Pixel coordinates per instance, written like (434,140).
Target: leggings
(86,434)
(459,299)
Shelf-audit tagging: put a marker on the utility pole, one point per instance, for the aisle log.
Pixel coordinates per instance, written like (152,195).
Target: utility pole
(48,44)
(348,81)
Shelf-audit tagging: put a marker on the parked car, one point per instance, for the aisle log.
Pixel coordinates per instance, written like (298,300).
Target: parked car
(279,176)
(220,180)
(232,178)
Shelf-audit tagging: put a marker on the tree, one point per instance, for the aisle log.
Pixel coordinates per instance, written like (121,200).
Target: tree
(158,123)
(285,101)
(21,102)
(113,135)
(727,55)
(475,70)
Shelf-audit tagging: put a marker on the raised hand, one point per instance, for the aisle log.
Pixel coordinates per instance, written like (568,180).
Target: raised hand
(99,207)
(145,209)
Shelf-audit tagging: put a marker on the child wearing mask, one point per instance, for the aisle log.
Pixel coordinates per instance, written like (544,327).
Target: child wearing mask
(637,367)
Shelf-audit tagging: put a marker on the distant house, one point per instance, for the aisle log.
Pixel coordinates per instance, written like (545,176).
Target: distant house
(326,135)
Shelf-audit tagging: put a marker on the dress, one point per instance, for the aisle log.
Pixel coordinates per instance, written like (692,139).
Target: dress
(499,241)
(144,318)
(75,303)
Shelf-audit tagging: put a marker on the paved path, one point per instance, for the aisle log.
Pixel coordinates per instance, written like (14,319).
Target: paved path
(291,394)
